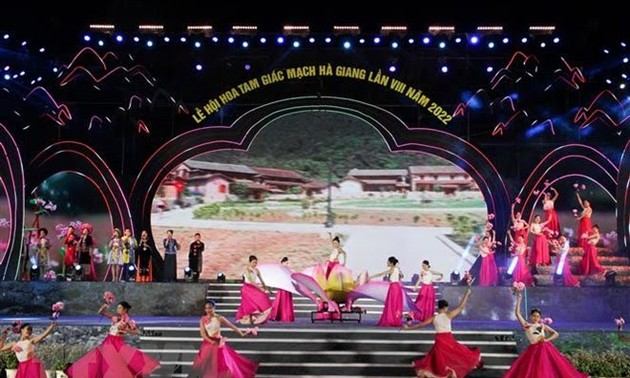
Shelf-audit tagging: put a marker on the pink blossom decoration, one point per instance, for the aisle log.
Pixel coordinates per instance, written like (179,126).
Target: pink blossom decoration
(547,182)
(546,321)
(620,322)
(518,286)
(536,192)
(576,186)
(132,324)
(517,200)
(490,216)
(583,187)
(252,331)
(4,223)
(109,297)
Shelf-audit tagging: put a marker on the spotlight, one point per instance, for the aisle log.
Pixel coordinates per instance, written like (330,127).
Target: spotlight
(455,277)
(474,40)
(490,45)
(362,40)
(377,40)
(442,45)
(328,40)
(394,45)
(556,40)
(41,50)
(248,67)
(410,41)
(187,272)
(197,44)
(167,39)
(131,270)
(296,44)
(119,38)
(101,43)
(87,38)
(280,40)
(231,40)
(311,40)
(263,40)
(346,45)
(489,69)
(610,278)
(182,39)
(444,69)
(149,43)
(136,39)
(392,68)
(245,44)
(426,40)
(34,272)
(221,277)
(458,40)
(543,44)
(198,67)
(524,40)
(6,36)
(625,60)
(215,39)
(506,40)
(78,272)
(7,77)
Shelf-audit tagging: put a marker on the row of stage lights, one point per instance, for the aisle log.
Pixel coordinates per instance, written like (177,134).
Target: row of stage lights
(347,36)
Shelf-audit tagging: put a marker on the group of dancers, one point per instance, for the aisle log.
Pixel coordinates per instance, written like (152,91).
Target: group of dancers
(547,240)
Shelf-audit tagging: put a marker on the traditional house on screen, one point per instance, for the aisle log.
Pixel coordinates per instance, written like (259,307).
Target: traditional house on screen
(281,180)
(446,178)
(375,180)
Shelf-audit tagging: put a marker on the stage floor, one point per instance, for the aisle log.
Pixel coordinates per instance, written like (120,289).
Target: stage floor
(165,321)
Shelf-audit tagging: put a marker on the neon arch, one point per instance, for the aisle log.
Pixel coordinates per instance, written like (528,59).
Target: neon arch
(397,136)
(12,173)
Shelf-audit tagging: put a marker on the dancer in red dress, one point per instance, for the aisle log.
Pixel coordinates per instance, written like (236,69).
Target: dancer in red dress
(590,264)
(551,216)
(519,226)
(282,306)
(561,248)
(541,359)
(447,358)
(539,254)
(216,359)
(255,304)
(29,365)
(488,274)
(584,218)
(114,358)
(520,273)
(337,256)
(393,308)
(425,301)
(70,243)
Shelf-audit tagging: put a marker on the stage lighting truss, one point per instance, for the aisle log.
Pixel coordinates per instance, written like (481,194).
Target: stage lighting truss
(151,29)
(441,29)
(204,30)
(103,28)
(397,30)
(187,272)
(299,30)
(346,30)
(244,30)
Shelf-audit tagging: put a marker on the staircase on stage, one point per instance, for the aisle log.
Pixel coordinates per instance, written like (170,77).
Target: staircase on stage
(323,349)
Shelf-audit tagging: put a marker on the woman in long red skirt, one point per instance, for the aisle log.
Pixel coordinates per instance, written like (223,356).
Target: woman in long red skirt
(551,216)
(425,301)
(590,264)
(541,359)
(216,359)
(393,308)
(585,225)
(282,306)
(488,274)
(521,272)
(519,226)
(561,247)
(29,365)
(539,253)
(114,358)
(447,358)
(255,303)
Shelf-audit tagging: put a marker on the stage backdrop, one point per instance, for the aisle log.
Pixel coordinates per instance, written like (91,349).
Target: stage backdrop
(265,145)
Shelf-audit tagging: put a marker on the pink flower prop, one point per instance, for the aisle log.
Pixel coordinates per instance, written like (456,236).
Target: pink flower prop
(490,216)
(4,223)
(583,187)
(109,297)
(222,341)
(620,322)
(517,200)
(536,192)
(252,331)
(547,182)
(50,275)
(16,348)
(518,286)
(15,326)
(489,226)
(132,324)
(576,185)
(546,321)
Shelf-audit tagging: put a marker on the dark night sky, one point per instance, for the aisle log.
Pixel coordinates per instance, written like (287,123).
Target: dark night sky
(57,17)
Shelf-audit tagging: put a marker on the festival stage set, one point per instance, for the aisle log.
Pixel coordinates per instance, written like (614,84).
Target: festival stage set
(406,143)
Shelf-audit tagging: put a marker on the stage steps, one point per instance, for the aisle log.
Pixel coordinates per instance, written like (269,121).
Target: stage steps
(606,257)
(228,298)
(327,350)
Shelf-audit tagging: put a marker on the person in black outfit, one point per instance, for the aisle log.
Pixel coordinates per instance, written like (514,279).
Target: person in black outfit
(195,261)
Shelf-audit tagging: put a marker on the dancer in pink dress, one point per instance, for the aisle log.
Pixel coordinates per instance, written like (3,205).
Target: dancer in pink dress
(425,301)
(255,304)
(393,309)
(488,274)
(520,272)
(282,306)
(561,248)
(590,264)
(216,359)
(551,216)
(447,358)
(29,365)
(584,218)
(114,358)
(541,359)
(519,226)
(337,256)
(539,254)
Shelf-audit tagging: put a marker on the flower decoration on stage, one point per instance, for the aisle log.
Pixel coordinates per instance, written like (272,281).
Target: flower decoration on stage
(251,331)
(575,212)
(517,200)
(109,297)
(131,324)
(536,192)
(15,326)
(610,240)
(582,187)
(489,226)
(547,183)
(576,186)
(56,310)
(4,223)
(42,206)
(619,322)
(490,216)
(546,321)
(518,287)
(97,256)
(50,276)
